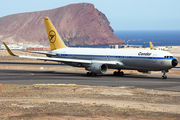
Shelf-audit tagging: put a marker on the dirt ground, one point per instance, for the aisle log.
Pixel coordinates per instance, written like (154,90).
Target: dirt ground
(75,102)
(72,102)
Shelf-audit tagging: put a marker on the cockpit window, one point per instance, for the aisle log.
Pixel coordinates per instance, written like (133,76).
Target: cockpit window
(166,57)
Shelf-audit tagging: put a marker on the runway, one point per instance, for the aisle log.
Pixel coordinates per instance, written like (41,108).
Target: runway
(24,77)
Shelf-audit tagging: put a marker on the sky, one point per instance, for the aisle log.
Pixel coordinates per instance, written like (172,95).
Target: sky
(122,14)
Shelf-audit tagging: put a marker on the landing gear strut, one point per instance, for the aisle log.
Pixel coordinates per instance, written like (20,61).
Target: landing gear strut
(164,74)
(118,73)
(91,74)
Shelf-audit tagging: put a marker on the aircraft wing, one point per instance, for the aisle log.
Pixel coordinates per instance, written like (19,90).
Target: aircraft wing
(63,59)
(71,60)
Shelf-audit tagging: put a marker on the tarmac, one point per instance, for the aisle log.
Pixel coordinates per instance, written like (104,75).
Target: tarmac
(41,76)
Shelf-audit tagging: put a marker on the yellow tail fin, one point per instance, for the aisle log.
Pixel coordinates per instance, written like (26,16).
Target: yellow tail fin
(55,40)
(151,45)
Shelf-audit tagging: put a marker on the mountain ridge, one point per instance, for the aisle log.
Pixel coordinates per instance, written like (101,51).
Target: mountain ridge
(78,25)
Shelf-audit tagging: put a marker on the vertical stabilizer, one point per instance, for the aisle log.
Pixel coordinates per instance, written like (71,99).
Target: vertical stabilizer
(55,40)
(151,46)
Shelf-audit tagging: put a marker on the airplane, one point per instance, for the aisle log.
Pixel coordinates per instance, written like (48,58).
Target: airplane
(98,61)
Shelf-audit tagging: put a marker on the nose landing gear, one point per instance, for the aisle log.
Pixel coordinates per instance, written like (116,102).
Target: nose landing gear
(164,74)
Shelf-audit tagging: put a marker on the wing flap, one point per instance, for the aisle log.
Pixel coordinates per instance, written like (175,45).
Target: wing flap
(46,53)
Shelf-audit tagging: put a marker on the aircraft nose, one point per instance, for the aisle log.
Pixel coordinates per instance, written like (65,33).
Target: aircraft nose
(174,62)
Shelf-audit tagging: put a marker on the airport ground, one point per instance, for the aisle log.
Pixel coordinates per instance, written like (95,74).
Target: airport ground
(30,89)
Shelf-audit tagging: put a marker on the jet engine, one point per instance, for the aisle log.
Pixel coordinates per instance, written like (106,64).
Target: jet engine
(98,68)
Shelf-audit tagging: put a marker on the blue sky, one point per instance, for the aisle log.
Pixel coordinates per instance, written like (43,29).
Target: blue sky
(122,14)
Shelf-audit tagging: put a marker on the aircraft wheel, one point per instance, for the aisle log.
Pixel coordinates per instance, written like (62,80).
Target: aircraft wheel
(115,73)
(91,74)
(121,73)
(118,73)
(164,74)
(88,73)
(164,77)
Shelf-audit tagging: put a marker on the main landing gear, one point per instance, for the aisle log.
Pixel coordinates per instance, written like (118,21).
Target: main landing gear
(91,74)
(118,73)
(164,74)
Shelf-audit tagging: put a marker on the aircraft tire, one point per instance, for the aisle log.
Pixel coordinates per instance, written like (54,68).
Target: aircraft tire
(121,74)
(91,74)
(115,73)
(88,73)
(118,73)
(164,77)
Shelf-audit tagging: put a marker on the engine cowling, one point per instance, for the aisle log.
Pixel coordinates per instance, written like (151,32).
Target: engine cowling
(98,68)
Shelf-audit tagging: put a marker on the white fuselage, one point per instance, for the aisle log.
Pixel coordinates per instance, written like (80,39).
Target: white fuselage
(134,59)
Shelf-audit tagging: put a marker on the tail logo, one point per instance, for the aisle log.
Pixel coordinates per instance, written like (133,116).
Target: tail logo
(52,36)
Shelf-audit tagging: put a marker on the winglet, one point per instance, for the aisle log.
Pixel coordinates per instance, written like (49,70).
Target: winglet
(9,51)
(151,45)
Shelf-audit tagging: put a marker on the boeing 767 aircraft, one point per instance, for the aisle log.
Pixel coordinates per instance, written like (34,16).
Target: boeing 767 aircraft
(98,61)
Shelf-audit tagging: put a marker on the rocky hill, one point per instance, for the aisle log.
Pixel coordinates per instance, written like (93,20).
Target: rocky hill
(78,24)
